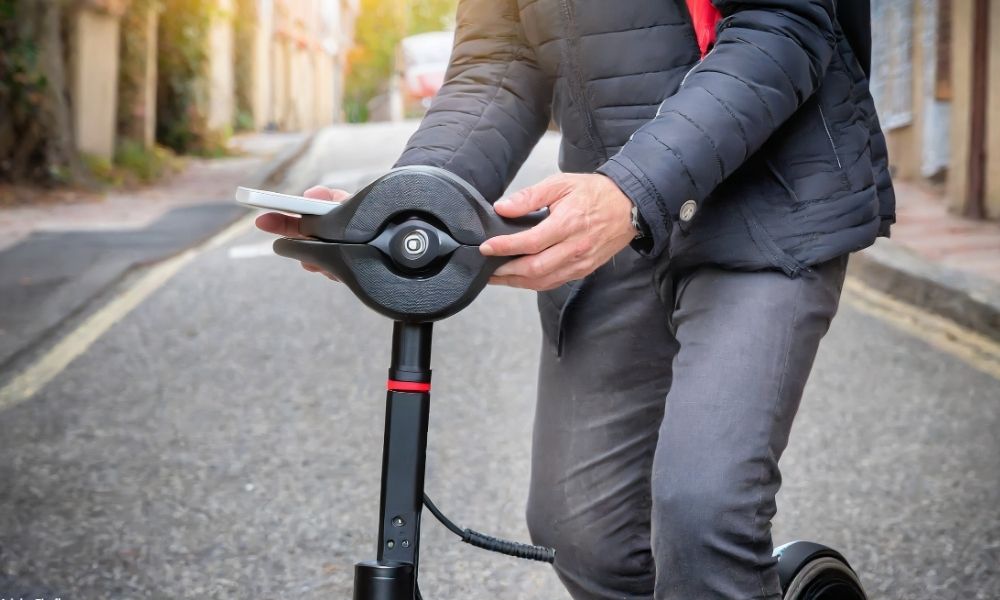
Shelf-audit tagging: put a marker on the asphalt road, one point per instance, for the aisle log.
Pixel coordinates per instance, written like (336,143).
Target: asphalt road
(223,439)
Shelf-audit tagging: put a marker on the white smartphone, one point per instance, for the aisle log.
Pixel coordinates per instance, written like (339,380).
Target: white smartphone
(283,202)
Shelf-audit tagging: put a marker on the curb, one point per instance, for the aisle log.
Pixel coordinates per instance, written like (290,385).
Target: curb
(278,167)
(80,295)
(970,301)
(274,171)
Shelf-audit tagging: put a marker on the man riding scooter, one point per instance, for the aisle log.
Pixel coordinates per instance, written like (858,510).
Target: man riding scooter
(720,161)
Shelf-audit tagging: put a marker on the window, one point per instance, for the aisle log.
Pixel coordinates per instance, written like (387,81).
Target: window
(892,61)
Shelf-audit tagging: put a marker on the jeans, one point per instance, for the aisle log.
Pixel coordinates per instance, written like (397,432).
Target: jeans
(663,408)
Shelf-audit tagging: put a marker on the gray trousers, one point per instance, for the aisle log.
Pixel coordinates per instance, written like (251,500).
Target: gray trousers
(662,412)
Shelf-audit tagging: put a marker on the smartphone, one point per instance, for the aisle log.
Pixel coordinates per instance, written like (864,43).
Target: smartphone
(283,202)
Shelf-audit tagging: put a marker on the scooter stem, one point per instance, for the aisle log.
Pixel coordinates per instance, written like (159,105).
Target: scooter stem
(393,575)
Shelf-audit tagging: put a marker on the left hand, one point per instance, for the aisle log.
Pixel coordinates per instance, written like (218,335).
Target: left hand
(590,220)
(288,226)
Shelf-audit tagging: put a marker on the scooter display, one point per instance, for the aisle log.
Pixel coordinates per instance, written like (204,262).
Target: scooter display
(407,245)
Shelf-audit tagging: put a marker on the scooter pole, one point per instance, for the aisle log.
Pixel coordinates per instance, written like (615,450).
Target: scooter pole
(393,575)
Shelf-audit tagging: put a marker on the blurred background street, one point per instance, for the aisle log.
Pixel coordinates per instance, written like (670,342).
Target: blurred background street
(185,415)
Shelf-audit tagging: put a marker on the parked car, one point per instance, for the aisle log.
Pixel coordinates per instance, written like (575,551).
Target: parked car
(421,62)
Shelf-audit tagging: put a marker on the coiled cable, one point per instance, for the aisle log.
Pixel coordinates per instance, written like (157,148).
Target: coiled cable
(493,544)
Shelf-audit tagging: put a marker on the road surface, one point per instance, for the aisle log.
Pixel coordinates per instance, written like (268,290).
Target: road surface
(222,439)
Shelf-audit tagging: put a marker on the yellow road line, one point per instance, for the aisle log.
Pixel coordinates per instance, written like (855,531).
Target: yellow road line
(977,350)
(75,343)
(967,345)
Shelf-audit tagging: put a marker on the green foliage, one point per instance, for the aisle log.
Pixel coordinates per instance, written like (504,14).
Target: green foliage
(243,121)
(182,66)
(215,143)
(102,169)
(132,68)
(244,31)
(36,120)
(144,165)
(133,164)
(431,15)
(21,78)
(27,149)
(355,108)
(380,26)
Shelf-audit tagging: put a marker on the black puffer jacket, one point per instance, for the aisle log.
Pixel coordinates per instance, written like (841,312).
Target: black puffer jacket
(767,153)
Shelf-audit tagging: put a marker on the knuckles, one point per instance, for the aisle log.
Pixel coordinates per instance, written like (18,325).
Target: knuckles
(535,268)
(582,248)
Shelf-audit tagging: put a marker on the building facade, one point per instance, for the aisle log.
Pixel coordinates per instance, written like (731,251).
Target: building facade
(936,82)
(294,59)
(300,50)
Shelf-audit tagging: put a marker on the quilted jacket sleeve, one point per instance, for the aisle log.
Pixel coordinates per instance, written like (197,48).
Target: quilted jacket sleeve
(769,58)
(494,105)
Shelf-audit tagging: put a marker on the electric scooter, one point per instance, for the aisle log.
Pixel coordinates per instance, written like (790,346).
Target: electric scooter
(407,245)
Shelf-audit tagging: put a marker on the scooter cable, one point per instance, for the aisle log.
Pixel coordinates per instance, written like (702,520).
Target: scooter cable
(493,544)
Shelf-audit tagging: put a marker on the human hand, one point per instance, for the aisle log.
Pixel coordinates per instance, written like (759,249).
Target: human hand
(590,220)
(288,226)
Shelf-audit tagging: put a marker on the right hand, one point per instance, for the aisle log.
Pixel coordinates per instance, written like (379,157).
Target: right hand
(288,226)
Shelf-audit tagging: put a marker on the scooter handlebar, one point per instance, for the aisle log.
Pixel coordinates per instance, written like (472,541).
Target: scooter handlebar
(407,244)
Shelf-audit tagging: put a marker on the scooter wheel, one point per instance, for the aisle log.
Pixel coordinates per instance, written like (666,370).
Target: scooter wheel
(810,571)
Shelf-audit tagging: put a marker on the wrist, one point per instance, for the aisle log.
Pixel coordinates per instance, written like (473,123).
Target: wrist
(642,235)
(629,218)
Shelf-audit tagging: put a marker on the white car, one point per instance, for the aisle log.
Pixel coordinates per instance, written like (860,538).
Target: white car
(421,62)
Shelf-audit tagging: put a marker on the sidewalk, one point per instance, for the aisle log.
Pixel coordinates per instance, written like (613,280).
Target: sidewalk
(938,261)
(57,257)
(202,181)
(926,227)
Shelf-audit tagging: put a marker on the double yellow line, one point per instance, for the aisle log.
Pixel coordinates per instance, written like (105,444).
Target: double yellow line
(42,371)
(973,348)
(947,336)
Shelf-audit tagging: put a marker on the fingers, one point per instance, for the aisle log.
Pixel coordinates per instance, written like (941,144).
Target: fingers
(532,198)
(319,192)
(288,225)
(279,224)
(316,269)
(526,283)
(539,265)
(532,241)
(546,270)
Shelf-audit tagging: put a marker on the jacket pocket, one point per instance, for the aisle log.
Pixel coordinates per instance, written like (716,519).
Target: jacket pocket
(766,244)
(806,157)
(768,193)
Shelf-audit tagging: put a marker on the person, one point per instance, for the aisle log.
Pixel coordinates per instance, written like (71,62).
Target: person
(692,260)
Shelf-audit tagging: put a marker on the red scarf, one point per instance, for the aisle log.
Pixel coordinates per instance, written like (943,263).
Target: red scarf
(704,17)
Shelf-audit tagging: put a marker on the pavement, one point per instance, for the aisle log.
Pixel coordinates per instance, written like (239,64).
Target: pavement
(938,261)
(56,259)
(221,438)
(926,227)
